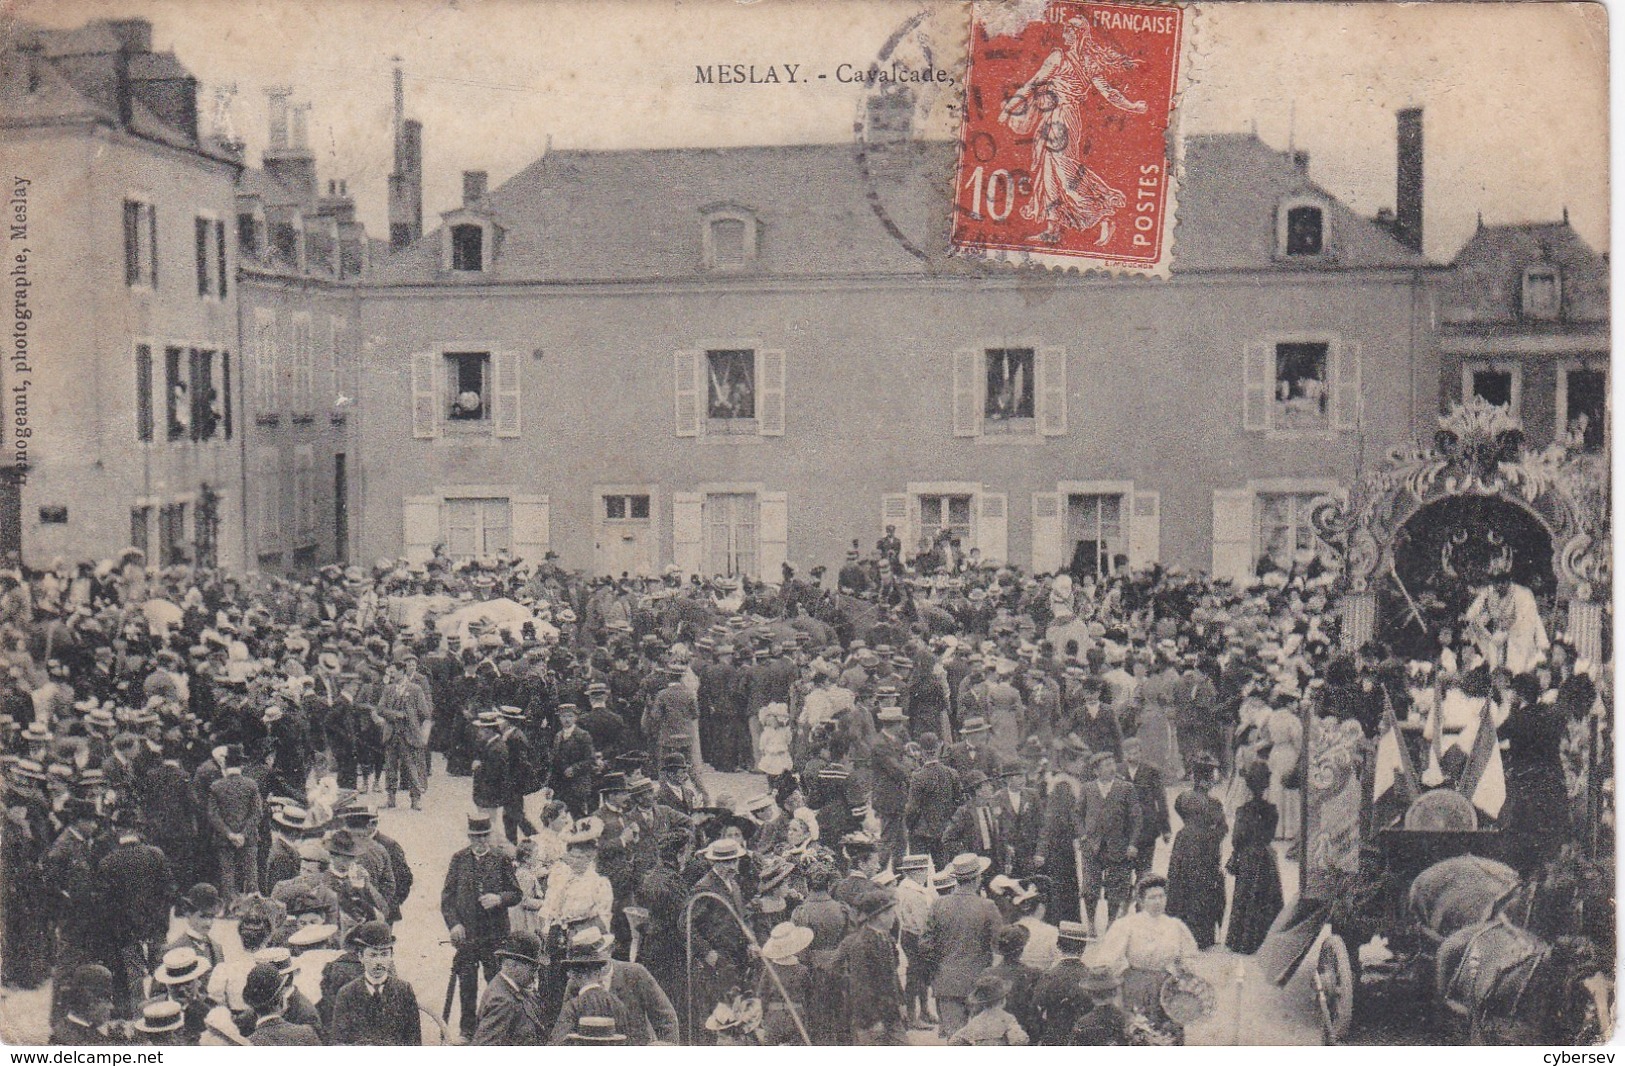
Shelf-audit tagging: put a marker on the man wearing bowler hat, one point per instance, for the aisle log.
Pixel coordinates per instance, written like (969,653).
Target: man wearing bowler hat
(480,887)
(377,1007)
(266,993)
(510,1012)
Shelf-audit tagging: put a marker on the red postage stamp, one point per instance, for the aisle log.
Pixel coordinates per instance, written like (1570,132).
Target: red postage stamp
(1065,157)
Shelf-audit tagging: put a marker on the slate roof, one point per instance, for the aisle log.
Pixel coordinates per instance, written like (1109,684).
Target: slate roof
(1486,285)
(75,84)
(577,216)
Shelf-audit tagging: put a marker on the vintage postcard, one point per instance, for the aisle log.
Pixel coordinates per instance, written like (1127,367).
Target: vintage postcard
(868,522)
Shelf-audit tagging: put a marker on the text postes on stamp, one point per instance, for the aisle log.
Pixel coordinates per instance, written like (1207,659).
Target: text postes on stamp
(1065,158)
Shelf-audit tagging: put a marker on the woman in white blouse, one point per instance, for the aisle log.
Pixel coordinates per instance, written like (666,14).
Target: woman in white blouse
(1147,946)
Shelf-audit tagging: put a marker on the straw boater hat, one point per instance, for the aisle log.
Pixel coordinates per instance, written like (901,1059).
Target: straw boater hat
(724,849)
(968,866)
(1073,935)
(308,936)
(181,965)
(161,1016)
(592,1029)
(786,942)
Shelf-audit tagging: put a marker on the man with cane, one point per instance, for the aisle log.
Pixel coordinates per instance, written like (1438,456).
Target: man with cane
(480,887)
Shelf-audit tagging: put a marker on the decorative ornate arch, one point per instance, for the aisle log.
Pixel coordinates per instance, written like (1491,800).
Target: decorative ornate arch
(1479,450)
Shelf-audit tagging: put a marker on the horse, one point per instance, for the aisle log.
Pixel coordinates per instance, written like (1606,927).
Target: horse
(1505,961)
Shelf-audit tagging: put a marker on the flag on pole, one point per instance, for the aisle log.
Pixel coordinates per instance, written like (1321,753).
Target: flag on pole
(1393,758)
(1483,779)
(1433,776)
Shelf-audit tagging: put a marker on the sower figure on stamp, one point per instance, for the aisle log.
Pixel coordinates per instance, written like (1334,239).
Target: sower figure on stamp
(1066,193)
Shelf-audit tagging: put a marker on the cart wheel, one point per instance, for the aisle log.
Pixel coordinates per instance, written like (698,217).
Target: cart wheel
(1334,989)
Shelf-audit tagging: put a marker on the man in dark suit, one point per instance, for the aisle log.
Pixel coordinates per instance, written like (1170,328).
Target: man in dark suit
(1020,812)
(889,788)
(1151,795)
(234,810)
(933,797)
(975,827)
(958,940)
(1059,997)
(164,796)
(511,1010)
(865,965)
(573,761)
(377,1007)
(265,990)
(480,887)
(136,890)
(1107,825)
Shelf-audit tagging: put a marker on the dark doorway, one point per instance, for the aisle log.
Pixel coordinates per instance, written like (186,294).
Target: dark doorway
(341,508)
(1444,554)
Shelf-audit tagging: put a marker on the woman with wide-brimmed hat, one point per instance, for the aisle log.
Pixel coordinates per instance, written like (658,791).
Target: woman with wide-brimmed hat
(785,999)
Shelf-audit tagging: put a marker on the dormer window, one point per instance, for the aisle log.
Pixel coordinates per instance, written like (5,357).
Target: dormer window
(730,238)
(1542,292)
(250,234)
(468,240)
(1303,231)
(1300,229)
(467,247)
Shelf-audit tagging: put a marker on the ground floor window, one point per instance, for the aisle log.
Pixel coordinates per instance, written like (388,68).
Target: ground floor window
(732,534)
(1095,532)
(172,534)
(950,513)
(1284,528)
(140,525)
(478,527)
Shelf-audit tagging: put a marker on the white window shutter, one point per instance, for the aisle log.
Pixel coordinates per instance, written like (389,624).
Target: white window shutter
(993,526)
(770,392)
(773,523)
(420,523)
(268,476)
(1233,536)
(1346,396)
(687,531)
(1145,529)
(532,530)
(1258,387)
(967,392)
(425,396)
(505,412)
(686,371)
(1052,391)
(1049,551)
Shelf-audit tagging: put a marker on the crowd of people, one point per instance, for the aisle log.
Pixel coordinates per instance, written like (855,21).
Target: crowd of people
(963,775)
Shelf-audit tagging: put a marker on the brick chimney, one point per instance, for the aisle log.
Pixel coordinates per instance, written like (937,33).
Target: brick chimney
(1408,192)
(474,186)
(287,157)
(406,180)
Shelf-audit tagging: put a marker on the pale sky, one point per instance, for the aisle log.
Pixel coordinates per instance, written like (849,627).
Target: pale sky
(1515,95)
